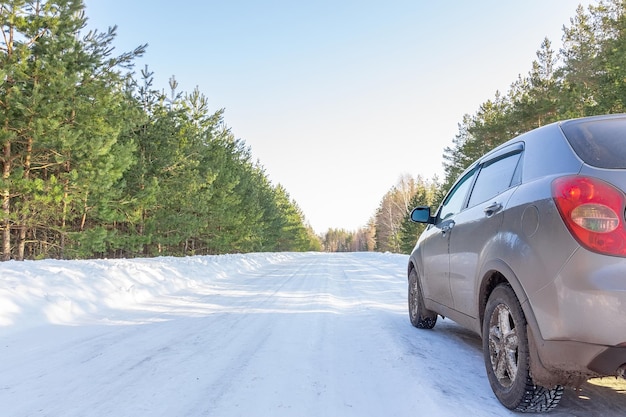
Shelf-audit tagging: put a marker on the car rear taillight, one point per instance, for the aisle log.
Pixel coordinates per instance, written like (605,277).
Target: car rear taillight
(593,211)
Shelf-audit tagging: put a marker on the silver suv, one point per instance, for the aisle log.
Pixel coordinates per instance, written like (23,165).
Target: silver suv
(528,249)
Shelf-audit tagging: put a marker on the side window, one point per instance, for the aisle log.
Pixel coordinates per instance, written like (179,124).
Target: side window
(455,199)
(495,177)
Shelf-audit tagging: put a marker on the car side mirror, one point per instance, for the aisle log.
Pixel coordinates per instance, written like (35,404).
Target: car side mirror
(421,214)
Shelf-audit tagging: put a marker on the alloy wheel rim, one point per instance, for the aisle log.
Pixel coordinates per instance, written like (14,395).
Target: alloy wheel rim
(503,345)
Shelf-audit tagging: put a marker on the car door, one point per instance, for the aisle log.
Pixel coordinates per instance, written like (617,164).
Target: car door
(435,242)
(477,225)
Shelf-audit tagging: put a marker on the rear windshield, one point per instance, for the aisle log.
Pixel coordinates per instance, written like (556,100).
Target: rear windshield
(600,143)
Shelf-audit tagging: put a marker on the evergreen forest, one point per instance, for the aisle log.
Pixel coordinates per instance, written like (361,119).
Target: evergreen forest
(97,162)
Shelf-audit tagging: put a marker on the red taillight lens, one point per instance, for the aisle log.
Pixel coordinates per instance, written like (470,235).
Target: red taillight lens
(593,211)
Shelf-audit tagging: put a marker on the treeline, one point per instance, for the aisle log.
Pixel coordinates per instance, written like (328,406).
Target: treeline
(585,77)
(389,229)
(98,163)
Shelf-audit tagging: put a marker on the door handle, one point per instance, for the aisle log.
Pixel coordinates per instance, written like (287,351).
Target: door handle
(447,227)
(492,209)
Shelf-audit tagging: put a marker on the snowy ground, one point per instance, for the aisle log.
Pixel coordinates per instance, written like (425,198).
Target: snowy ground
(239,335)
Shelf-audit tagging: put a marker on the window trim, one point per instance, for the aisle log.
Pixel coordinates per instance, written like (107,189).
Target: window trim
(475,168)
(514,148)
(516,176)
(471,171)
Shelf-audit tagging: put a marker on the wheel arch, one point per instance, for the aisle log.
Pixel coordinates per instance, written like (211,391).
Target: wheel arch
(495,273)
(410,267)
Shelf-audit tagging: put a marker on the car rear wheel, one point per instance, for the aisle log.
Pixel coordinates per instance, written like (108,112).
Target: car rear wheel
(421,317)
(507,357)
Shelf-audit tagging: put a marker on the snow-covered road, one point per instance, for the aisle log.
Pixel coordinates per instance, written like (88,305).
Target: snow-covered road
(240,335)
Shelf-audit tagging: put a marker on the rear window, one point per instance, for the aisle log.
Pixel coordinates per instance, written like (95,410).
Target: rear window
(600,143)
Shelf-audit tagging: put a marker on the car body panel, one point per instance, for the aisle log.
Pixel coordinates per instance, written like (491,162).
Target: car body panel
(541,160)
(469,242)
(436,265)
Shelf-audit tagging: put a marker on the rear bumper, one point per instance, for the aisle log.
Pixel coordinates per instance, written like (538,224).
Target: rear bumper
(612,361)
(578,321)
(570,363)
(585,302)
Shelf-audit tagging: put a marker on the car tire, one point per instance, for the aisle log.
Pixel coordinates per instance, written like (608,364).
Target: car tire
(507,356)
(421,317)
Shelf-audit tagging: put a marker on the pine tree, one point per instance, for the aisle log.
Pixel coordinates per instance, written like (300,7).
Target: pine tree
(611,18)
(425,195)
(579,72)
(62,109)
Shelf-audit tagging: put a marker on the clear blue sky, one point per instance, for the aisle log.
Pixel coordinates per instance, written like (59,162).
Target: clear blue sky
(338,99)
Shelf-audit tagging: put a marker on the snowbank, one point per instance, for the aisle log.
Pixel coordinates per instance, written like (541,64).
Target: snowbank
(33,293)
